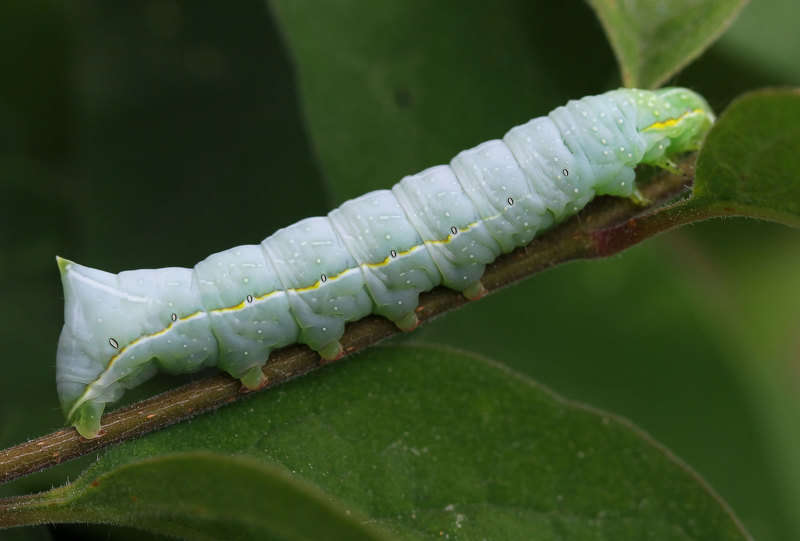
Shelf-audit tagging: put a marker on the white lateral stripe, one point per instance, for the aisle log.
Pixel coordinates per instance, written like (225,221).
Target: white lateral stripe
(107,289)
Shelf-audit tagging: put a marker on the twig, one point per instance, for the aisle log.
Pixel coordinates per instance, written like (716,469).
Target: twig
(605,227)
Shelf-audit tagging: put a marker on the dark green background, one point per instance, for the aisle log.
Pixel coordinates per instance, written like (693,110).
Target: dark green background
(154,133)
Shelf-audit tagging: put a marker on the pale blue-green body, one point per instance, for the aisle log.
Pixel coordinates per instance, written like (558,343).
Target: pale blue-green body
(374,254)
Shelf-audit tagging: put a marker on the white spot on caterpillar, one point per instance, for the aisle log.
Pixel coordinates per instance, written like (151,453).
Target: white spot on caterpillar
(174,317)
(249,298)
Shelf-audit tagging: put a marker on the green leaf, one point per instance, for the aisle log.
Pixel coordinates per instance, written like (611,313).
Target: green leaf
(749,164)
(203,495)
(487,454)
(390,88)
(654,40)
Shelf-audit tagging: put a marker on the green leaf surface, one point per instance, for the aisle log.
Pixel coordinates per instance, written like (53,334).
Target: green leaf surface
(654,40)
(750,163)
(488,455)
(203,496)
(390,88)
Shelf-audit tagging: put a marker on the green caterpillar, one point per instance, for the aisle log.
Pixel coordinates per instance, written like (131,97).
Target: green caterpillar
(374,254)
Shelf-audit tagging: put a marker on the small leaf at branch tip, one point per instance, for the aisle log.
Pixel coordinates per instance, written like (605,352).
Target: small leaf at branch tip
(648,45)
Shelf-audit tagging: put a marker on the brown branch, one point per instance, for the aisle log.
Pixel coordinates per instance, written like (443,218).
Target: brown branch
(605,227)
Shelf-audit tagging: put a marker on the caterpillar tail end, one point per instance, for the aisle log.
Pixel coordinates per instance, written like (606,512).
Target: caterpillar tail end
(74,368)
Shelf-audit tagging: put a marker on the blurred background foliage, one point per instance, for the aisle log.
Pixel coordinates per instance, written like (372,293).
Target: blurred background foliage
(153,133)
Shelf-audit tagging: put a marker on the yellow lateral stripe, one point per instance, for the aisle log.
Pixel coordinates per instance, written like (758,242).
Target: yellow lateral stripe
(230,308)
(673,121)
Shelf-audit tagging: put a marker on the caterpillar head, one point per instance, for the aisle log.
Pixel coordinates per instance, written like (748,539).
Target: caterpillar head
(677,119)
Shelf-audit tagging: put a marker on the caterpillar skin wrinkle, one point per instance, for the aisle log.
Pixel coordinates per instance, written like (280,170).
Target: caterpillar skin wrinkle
(374,254)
